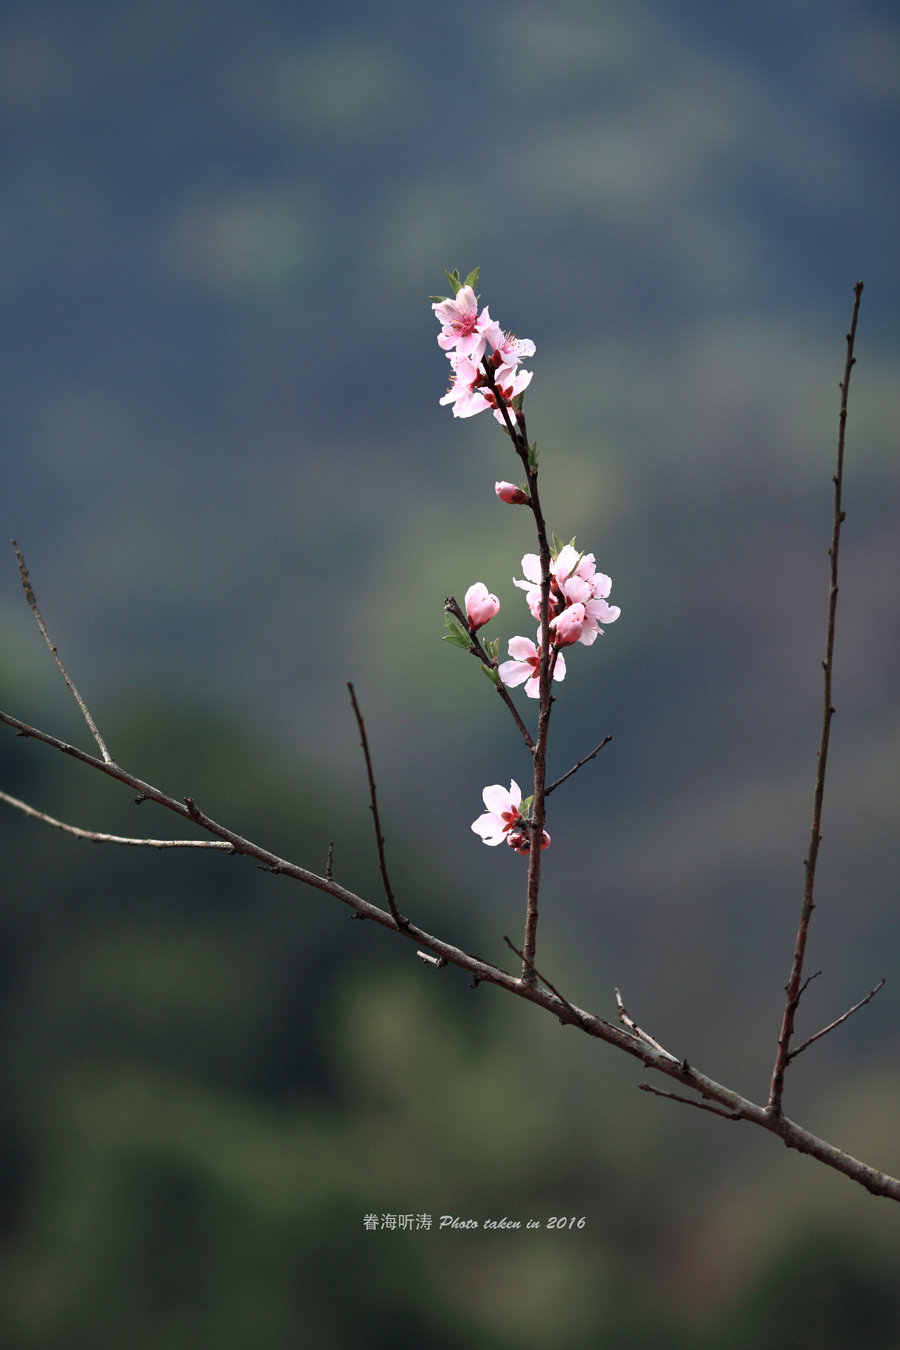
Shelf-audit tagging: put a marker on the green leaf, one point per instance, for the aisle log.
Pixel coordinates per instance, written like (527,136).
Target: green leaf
(438,299)
(492,673)
(533,455)
(455,633)
(472,278)
(453,278)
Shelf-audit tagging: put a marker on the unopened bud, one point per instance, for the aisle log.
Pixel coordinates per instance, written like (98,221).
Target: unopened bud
(567,627)
(508,492)
(481,606)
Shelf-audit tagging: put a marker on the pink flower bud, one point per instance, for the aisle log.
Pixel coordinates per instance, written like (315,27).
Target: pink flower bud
(521,841)
(567,627)
(481,606)
(508,492)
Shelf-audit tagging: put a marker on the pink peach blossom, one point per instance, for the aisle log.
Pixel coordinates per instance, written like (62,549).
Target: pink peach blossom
(461,325)
(525,666)
(481,606)
(567,627)
(503,821)
(502,813)
(508,350)
(466,392)
(574,579)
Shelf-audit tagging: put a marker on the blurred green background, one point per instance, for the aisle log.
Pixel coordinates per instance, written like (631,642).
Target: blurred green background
(225,461)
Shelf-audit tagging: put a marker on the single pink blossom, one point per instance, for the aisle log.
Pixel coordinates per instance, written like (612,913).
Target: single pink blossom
(502,813)
(508,350)
(597,611)
(466,392)
(481,606)
(525,666)
(509,382)
(531,566)
(461,325)
(503,821)
(508,492)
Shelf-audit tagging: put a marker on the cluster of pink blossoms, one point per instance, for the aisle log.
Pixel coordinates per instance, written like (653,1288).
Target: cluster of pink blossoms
(578,595)
(465,336)
(578,600)
(578,604)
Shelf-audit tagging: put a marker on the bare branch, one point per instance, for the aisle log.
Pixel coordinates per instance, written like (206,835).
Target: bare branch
(639,1046)
(96,837)
(689,1101)
(33,605)
(575,767)
(793,988)
(838,1020)
(373,807)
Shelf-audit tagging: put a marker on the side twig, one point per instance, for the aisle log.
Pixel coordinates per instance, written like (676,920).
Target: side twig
(33,606)
(793,987)
(96,837)
(373,807)
(452,606)
(690,1101)
(837,1021)
(543,979)
(580,765)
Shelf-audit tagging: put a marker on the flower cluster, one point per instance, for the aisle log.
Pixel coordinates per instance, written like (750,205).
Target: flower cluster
(578,604)
(578,595)
(485,366)
(465,337)
(504,821)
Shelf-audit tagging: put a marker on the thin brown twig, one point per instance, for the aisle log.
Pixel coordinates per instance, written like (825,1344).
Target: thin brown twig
(576,1015)
(96,837)
(689,1101)
(575,767)
(838,1020)
(452,606)
(793,987)
(373,807)
(33,606)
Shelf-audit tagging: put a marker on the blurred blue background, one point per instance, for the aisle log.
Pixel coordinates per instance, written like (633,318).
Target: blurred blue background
(225,461)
